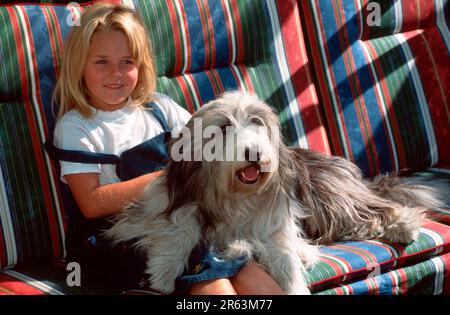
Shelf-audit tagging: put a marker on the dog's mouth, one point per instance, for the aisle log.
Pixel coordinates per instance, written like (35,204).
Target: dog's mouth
(249,174)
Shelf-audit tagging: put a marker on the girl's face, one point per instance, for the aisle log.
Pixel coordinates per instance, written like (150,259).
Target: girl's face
(110,73)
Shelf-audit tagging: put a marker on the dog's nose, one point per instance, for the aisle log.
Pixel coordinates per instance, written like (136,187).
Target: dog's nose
(252,155)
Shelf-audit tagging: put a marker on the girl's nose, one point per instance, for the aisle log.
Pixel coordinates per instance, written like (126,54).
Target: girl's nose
(114,70)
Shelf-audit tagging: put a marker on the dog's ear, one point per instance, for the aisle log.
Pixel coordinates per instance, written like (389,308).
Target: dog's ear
(181,183)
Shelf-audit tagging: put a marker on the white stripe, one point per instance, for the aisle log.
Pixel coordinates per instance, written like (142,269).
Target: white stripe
(441,23)
(192,89)
(440,170)
(232,32)
(393,250)
(328,74)
(183,35)
(383,105)
(361,18)
(294,107)
(35,283)
(423,103)
(439,277)
(40,125)
(436,237)
(337,260)
(398,16)
(129,3)
(8,228)
(236,70)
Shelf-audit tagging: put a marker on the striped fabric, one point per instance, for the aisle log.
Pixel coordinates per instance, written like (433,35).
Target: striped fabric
(434,280)
(202,48)
(348,262)
(384,89)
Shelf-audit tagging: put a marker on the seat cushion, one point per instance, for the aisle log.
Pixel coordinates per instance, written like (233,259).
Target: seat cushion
(347,262)
(204,48)
(383,87)
(429,277)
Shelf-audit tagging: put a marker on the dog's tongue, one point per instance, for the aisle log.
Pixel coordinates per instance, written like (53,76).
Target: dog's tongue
(250,173)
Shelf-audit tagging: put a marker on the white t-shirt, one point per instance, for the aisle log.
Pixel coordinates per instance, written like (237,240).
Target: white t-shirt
(112,133)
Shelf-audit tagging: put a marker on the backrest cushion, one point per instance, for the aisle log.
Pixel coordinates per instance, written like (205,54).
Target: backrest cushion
(383,84)
(202,49)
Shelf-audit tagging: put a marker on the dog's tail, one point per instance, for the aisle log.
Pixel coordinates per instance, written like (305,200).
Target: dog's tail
(413,191)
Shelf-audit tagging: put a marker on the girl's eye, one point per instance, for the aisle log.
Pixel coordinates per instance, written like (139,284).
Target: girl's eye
(101,62)
(127,62)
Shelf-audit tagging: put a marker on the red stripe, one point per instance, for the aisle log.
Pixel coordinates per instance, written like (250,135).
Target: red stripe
(245,75)
(297,60)
(3,257)
(390,110)
(205,36)
(327,106)
(186,95)
(216,75)
(229,27)
(52,38)
(188,41)
(446,284)
(431,56)
(212,82)
(195,86)
(380,104)
(238,32)
(35,138)
(212,42)
(176,36)
(355,88)
(12,286)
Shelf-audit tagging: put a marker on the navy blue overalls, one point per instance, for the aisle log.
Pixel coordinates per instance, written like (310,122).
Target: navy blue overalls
(117,267)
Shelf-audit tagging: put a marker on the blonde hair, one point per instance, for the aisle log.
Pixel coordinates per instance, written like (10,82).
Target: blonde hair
(70,90)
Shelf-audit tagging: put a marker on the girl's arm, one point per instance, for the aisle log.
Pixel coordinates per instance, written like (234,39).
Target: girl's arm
(97,201)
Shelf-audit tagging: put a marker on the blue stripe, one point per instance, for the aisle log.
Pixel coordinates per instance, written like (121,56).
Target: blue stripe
(335,50)
(197,41)
(228,80)
(41,38)
(220,33)
(204,87)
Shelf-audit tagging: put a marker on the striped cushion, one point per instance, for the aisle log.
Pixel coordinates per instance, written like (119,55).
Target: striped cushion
(359,262)
(429,277)
(384,90)
(202,48)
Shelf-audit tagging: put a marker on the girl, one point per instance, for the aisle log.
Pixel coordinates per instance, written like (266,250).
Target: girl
(110,140)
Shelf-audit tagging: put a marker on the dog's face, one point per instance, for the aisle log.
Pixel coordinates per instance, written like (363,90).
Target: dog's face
(234,141)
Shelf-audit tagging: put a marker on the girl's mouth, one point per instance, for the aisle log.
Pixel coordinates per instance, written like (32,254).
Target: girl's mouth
(113,86)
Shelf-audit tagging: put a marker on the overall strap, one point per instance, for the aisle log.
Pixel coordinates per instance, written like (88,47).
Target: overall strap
(159,115)
(79,156)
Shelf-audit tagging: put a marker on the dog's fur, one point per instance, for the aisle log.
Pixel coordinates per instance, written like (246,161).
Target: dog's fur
(306,199)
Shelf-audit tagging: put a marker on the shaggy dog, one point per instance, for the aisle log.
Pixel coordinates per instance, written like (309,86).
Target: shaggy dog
(263,200)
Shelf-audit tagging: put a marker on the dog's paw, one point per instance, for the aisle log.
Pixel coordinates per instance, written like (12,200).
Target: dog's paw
(309,255)
(400,234)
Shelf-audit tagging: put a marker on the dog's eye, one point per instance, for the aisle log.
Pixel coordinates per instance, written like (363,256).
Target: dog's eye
(257,121)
